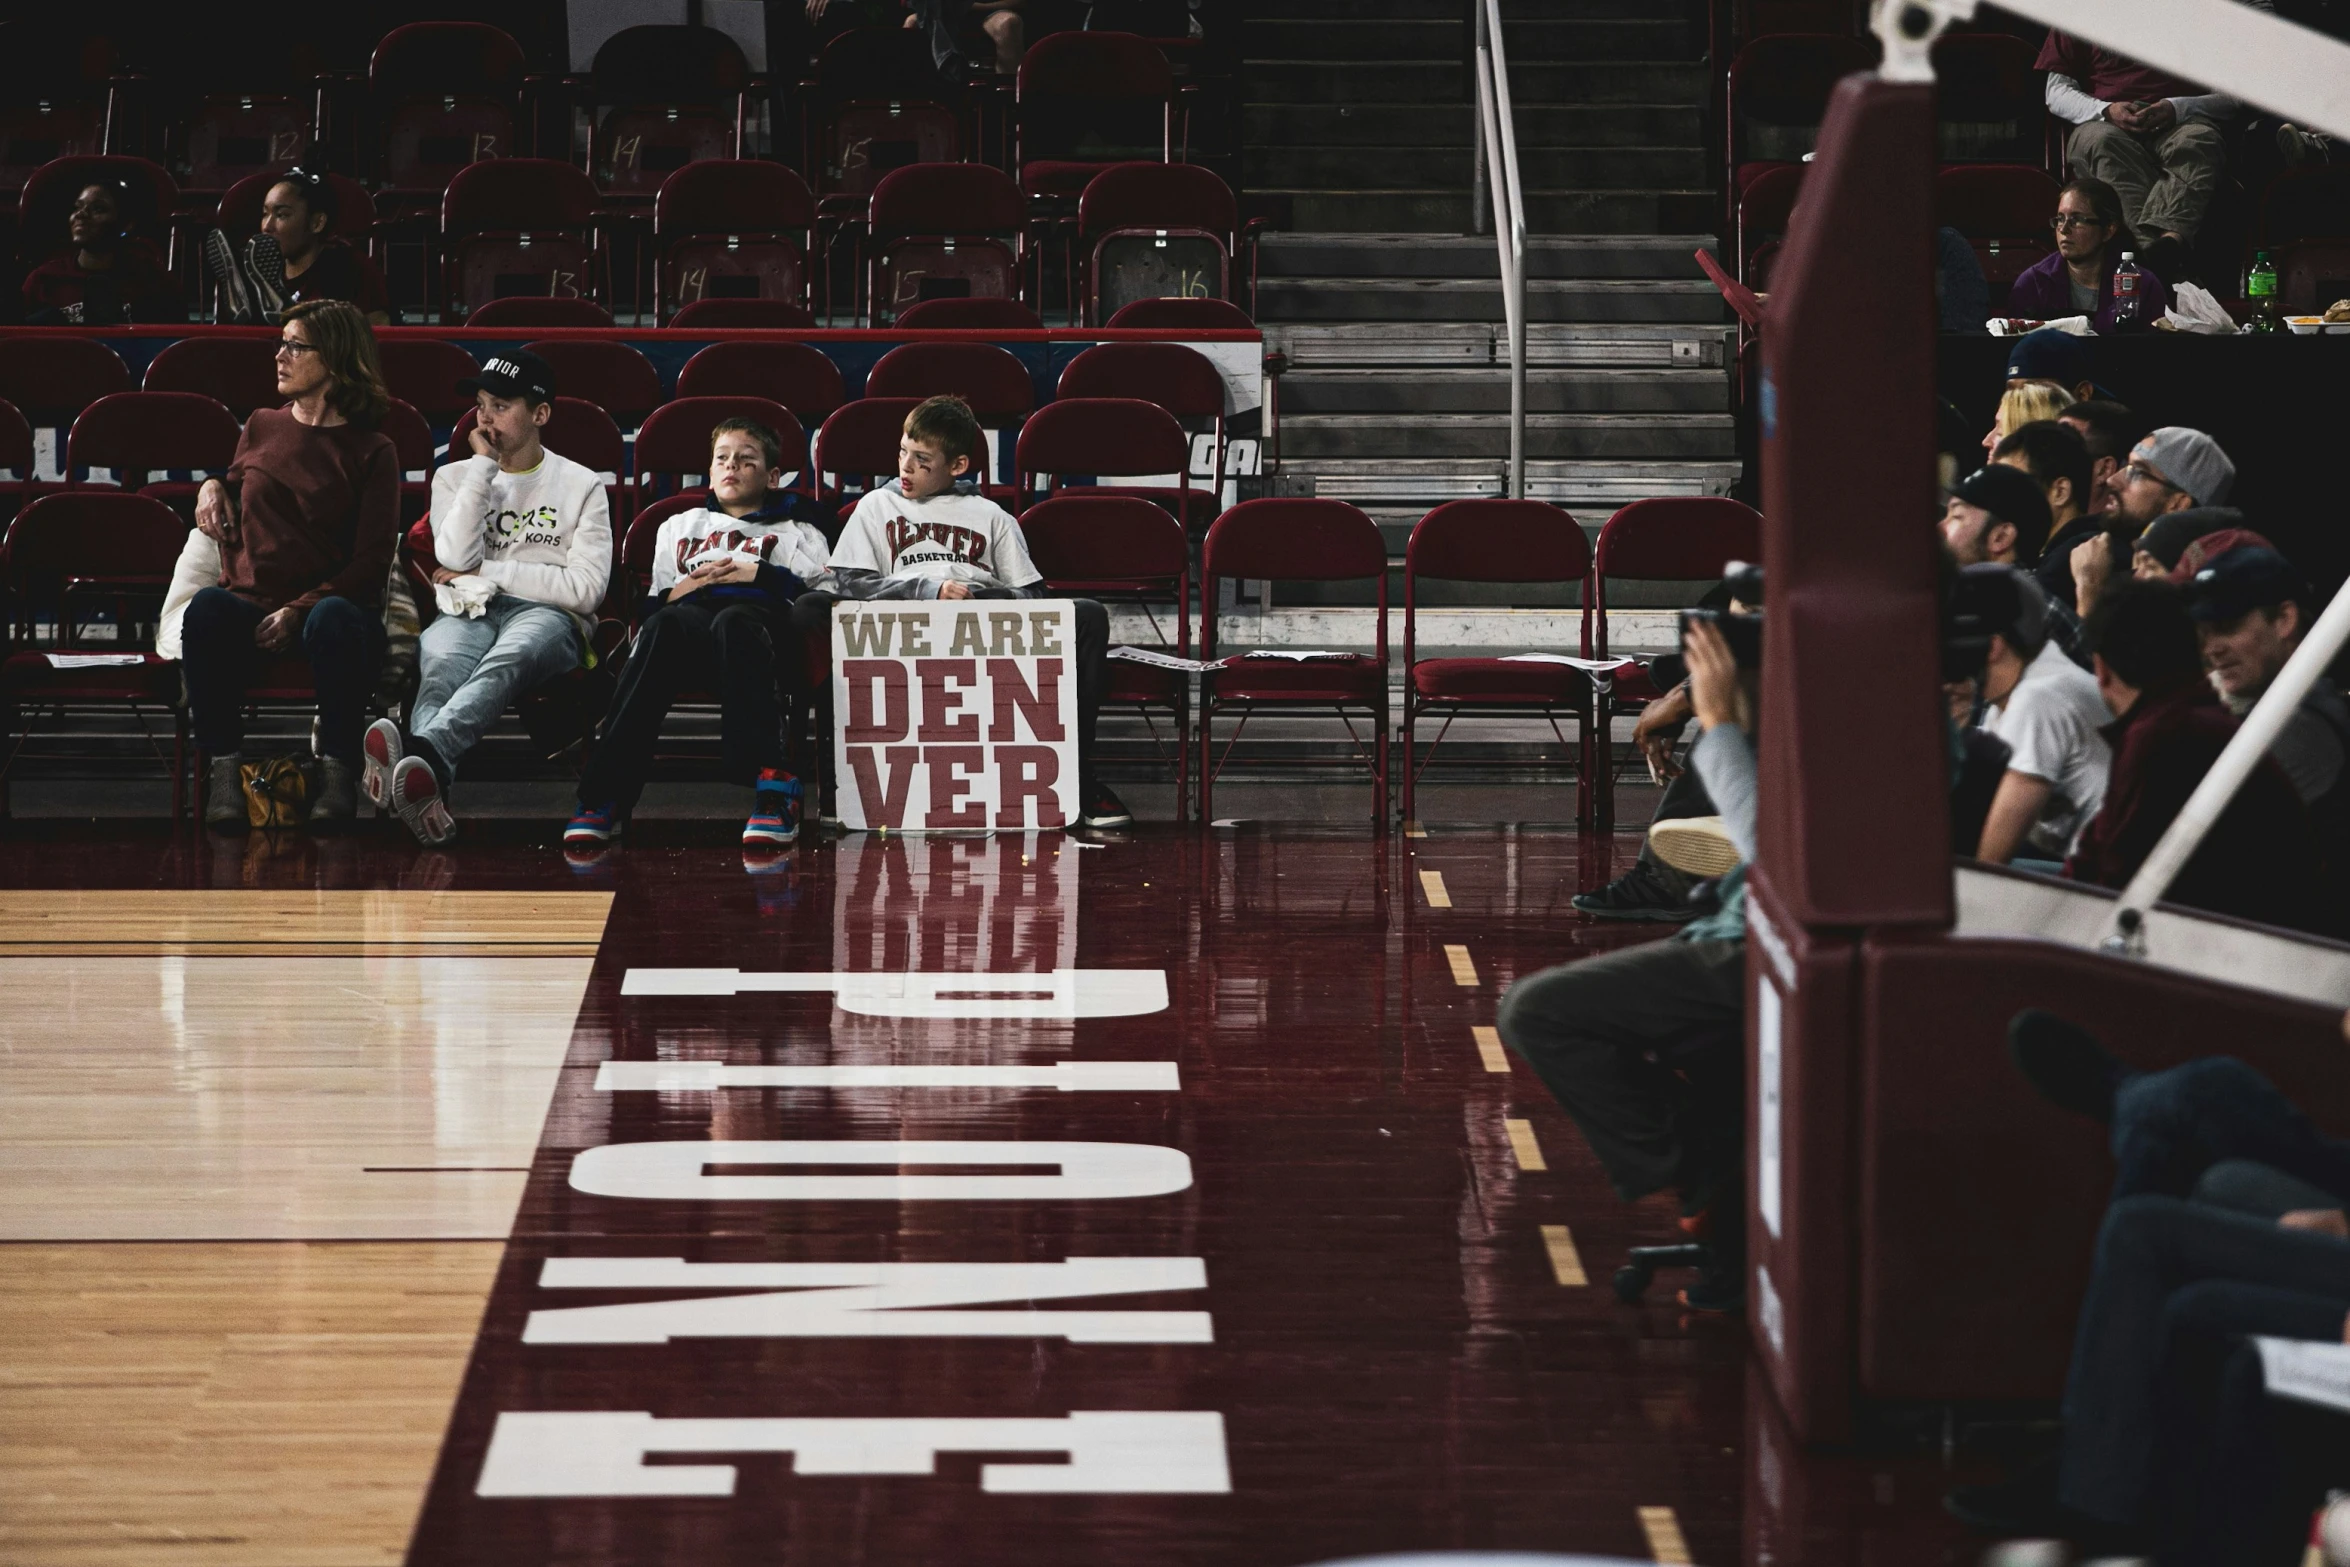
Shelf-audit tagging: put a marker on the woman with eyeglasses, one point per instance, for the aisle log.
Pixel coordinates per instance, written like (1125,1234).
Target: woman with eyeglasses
(2078,279)
(306,522)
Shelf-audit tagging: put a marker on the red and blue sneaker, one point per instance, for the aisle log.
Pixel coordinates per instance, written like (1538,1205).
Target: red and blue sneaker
(775,808)
(593,824)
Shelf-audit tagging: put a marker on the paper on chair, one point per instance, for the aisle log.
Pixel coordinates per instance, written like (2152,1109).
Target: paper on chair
(1298,655)
(2313,1371)
(1587,665)
(1158,660)
(95,660)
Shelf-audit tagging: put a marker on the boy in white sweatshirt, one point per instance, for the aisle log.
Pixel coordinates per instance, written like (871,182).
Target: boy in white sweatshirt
(523,537)
(931,534)
(718,618)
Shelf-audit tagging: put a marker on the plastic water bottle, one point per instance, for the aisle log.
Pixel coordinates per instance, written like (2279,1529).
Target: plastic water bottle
(2261,288)
(2129,302)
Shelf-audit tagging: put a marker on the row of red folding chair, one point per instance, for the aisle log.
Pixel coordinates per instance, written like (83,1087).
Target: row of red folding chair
(2002,208)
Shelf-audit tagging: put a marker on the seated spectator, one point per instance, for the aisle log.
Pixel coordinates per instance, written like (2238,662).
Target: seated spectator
(105,275)
(2048,710)
(958,29)
(2077,280)
(2248,605)
(306,521)
(2109,430)
(2173,471)
(2025,402)
(2054,356)
(522,548)
(1996,516)
(2260,860)
(2057,460)
(717,618)
(1651,889)
(930,534)
(2157,140)
(292,259)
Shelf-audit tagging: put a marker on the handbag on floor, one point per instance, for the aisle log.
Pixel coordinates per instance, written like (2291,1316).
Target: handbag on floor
(276,791)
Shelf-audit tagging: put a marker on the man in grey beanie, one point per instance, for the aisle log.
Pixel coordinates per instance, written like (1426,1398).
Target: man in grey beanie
(2172,469)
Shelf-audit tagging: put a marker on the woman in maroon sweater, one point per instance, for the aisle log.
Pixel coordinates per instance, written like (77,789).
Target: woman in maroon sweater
(306,523)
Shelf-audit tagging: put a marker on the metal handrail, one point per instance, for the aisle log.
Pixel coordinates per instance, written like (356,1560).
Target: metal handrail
(1497,172)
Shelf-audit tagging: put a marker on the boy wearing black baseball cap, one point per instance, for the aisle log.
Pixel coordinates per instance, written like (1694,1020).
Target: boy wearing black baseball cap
(523,542)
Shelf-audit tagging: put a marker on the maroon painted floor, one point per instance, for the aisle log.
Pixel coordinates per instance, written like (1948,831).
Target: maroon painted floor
(1394,1364)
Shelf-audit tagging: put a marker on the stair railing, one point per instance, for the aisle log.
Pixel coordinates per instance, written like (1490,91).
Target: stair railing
(1497,171)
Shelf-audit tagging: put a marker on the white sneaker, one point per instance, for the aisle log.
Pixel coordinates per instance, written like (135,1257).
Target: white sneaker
(416,796)
(1697,845)
(379,752)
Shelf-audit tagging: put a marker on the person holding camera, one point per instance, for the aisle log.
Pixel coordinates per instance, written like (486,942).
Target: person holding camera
(1645,1048)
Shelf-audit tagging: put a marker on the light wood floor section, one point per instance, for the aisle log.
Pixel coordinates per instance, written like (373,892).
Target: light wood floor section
(227,1405)
(226,923)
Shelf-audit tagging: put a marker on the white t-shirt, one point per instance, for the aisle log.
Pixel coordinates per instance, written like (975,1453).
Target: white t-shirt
(951,537)
(544,535)
(693,538)
(2051,723)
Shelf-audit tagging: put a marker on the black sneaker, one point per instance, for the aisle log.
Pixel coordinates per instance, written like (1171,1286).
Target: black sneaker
(265,275)
(2065,1063)
(1103,808)
(236,298)
(1642,893)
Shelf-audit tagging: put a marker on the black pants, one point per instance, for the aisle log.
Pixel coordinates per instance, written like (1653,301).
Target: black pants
(738,650)
(343,640)
(812,615)
(1645,1049)
(1684,796)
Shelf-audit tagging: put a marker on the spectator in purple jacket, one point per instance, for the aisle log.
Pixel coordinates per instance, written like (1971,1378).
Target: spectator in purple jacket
(2078,279)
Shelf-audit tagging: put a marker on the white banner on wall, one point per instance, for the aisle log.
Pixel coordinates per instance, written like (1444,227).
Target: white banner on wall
(955,715)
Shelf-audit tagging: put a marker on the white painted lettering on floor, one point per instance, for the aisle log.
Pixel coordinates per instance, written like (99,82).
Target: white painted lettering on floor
(1062,993)
(678,1171)
(1150,1077)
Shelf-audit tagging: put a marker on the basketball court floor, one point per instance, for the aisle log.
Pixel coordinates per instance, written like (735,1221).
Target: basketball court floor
(1151,1198)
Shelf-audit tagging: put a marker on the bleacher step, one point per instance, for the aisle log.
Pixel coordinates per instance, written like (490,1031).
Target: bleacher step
(1458,256)
(1584,344)
(1486,389)
(1479,299)
(1539,168)
(1309,437)
(1578,486)
(1448,211)
(1673,125)
(1415,38)
(1444,79)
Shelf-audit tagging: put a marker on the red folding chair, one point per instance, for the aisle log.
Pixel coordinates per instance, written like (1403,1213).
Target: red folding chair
(240,373)
(659,99)
(1154,231)
(47,113)
(71,556)
(1182,315)
(1123,437)
(1119,549)
(1775,96)
(732,230)
(616,377)
(226,138)
(411,438)
(1280,540)
(1494,541)
(877,104)
(1679,539)
(802,378)
(943,230)
(860,441)
(445,96)
(1765,207)
(1989,100)
(1085,101)
(137,434)
(734,315)
(969,315)
(150,202)
(16,456)
(1178,378)
(424,371)
(51,377)
(539,311)
(514,226)
(2003,210)
(994,382)
(579,430)
(673,444)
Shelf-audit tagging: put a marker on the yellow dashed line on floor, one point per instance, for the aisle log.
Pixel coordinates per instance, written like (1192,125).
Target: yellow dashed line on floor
(1663,1528)
(1489,1047)
(1413,829)
(1566,1263)
(1432,883)
(1522,1144)
(1464,972)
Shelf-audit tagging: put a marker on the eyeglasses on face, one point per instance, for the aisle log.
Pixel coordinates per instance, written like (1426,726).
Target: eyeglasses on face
(2076,220)
(2138,470)
(294,348)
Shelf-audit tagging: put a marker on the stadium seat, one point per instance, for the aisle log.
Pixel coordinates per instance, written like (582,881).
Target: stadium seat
(540,311)
(51,377)
(238,372)
(445,96)
(802,378)
(1085,101)
(2312,274)
(577,429)
(517,226)
(150,200)
(989,378)
(1119,549)
(970,315)
(1989,100)
(632,573)
(943,230)
(45,113)
(615,376)
(2003,210)
(16,457)
(1285,540)
(87,551)
(732,230)
(226,138)
(1681,539)
(354,219)
(1179,379)
(876,104)
(660,98)
(138,434)
(673,444)
(734,315)
(1764,208)
(424,372)
(412,439)
(1122,437)
(1495,541)
(1776,92)
(1154,231)
(860,442)
(1182,315)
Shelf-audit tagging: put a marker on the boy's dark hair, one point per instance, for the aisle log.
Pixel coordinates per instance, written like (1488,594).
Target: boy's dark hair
(2050,451)
(769,441)
(2142,632)
(2112,429)
(948,424)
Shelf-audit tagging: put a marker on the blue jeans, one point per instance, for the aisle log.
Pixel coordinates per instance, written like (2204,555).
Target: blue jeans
(343,641)
(474,669)
(2171,1127)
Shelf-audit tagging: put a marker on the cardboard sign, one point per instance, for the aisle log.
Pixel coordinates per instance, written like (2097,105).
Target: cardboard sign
(955,715)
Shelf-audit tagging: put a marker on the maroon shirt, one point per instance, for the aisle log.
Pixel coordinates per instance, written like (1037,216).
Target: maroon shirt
(340,272)
(318,512)
(2113,78)
(2260,861)
(137,284)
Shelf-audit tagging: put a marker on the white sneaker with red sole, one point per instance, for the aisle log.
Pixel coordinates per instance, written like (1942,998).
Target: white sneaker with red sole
(379,753)
(416,799)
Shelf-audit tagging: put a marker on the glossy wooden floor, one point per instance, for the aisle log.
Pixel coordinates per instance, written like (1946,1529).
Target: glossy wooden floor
(1381,1277)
